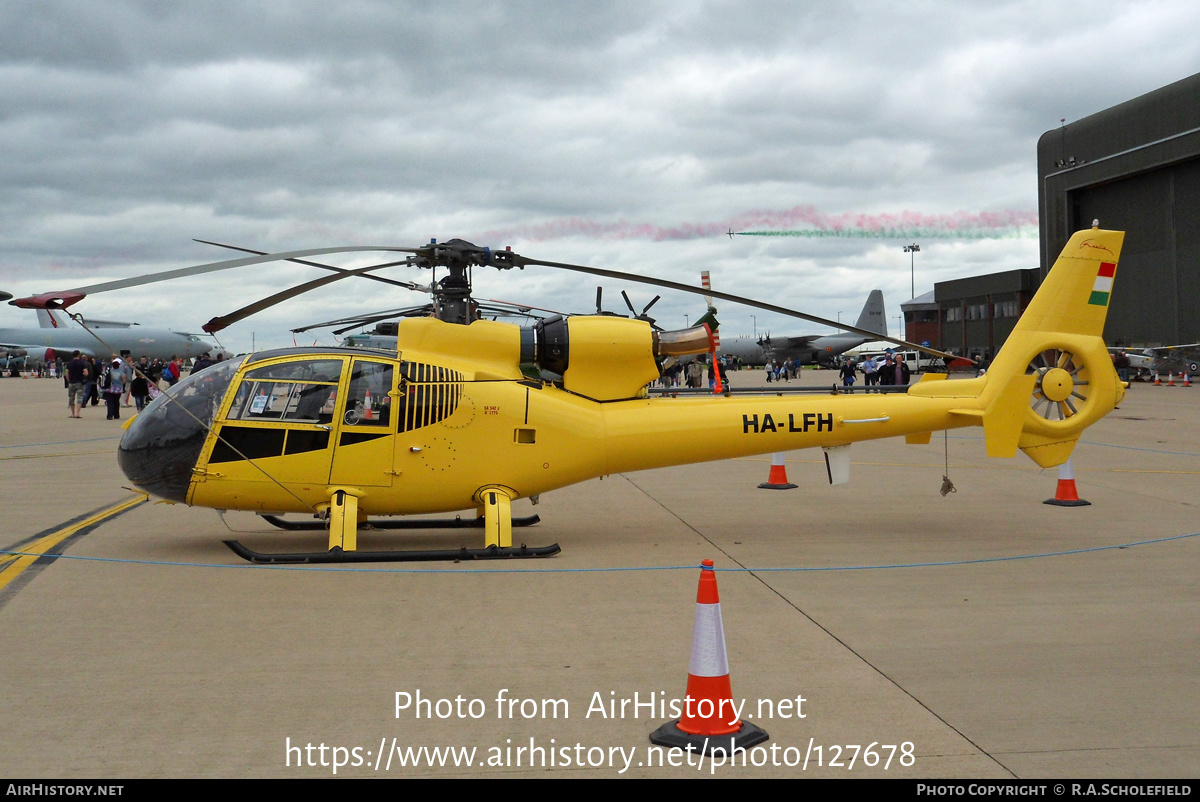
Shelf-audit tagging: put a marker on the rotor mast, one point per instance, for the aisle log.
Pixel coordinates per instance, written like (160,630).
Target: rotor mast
(452,302)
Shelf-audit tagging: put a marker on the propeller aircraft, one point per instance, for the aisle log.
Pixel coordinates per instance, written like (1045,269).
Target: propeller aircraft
(455,417)
(810,349)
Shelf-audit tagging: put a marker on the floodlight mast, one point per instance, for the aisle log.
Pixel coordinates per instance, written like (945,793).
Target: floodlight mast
(912,250)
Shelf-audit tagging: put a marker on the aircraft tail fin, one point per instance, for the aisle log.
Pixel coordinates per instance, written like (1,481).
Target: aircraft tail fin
(52,319)
(873,318)
(1054,376)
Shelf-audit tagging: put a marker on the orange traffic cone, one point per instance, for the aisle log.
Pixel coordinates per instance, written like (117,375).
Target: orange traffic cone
(1171,379)
(709,722)
(368,411)
(1065,495)
(1157,379)
(1187,380)
(777,478)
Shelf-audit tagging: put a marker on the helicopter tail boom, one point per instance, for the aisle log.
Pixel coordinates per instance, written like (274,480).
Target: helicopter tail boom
(1052,379)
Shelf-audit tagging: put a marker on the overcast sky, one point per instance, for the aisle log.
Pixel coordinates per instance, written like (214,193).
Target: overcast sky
(623,135)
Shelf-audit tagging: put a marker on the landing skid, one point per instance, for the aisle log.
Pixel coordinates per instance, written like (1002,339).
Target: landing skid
(495,519)
(336,555)
(436,523)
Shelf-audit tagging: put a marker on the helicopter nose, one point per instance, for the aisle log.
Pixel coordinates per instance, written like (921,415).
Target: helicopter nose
(159,450)
(163,443)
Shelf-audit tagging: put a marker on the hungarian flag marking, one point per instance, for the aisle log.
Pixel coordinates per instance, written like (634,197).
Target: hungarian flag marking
(1102,287)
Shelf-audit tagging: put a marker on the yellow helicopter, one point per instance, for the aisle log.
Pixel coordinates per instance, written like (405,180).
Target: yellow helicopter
(451,421)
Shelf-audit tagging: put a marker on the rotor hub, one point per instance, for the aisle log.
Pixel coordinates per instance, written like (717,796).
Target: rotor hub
(1057,384)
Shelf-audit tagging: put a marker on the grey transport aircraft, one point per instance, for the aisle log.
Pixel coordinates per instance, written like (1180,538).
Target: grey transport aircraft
(58,336)
(809,348)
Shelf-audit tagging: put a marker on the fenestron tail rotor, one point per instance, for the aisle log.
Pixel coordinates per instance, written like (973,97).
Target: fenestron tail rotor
(1061,386)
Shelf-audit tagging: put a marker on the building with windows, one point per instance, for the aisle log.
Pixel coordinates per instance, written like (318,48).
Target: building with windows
(971,316)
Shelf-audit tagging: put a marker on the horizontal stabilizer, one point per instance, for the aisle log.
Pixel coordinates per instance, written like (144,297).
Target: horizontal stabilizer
(1004,417)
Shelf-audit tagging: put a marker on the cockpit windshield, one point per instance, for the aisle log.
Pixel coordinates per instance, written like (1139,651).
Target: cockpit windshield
(164,441)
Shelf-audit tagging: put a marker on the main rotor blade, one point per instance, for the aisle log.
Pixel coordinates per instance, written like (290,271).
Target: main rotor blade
(737,299)
(408,285)
(490,304)
(353,321)
(219,323)
(521,308)
(502,260)
(212,267)
(412,311)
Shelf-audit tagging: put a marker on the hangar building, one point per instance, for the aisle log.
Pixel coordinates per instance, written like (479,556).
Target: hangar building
(1136,167)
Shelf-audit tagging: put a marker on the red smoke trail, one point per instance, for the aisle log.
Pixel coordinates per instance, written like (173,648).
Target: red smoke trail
(812,223)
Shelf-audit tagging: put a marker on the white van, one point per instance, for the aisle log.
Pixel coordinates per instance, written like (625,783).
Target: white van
(916,360)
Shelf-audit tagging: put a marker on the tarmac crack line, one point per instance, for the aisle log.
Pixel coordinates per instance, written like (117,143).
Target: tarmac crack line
(824,629)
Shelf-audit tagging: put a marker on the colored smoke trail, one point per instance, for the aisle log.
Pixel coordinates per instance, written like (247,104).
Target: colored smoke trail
(900,233)
(799,221)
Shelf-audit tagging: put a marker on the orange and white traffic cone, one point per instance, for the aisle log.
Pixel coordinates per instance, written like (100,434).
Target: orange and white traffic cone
(1065,495)
(1187,380)
(368,410)
(710,721)
(1157,379)
(1171,379)
(777,478)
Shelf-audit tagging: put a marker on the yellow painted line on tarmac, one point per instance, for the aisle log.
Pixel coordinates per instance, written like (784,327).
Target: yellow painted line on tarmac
(15,564)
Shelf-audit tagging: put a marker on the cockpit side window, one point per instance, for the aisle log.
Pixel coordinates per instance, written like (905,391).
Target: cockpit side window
(369,402)
(302,391)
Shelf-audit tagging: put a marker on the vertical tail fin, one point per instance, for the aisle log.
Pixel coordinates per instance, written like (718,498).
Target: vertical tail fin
(873,317)
(52,319)
(1074,297)
(1057,349)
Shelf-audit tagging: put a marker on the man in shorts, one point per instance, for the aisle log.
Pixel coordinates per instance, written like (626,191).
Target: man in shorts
(77,373)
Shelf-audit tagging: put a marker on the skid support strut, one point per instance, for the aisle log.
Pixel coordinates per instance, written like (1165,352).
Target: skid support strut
(497,516)
(343,521)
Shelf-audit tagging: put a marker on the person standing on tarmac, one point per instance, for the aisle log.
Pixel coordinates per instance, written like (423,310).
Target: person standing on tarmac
(76,375)
(847,372)
(870,371)
(113,386)
(91,386)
